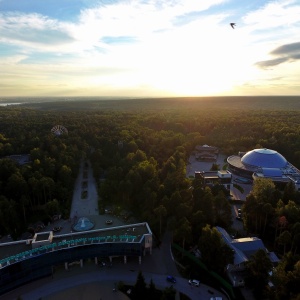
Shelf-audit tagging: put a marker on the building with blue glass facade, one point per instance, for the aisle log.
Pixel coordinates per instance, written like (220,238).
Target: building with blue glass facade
(264,163)
(27,260)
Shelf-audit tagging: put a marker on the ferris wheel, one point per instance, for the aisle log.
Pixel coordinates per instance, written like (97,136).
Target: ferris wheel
(59,130)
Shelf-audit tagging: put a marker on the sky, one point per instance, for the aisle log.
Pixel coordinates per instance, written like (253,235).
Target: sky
(149,48)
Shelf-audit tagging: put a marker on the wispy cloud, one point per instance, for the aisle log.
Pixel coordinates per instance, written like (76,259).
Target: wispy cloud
(274,14)
(33,31)
(118,39)
(284,53)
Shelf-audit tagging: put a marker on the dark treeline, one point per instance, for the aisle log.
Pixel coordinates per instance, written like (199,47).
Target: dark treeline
(141,150)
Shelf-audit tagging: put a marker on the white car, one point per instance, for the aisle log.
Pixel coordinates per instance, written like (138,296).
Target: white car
(216,298)
(194,282)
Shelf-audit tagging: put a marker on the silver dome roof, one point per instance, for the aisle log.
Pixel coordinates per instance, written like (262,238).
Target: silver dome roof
(264,158)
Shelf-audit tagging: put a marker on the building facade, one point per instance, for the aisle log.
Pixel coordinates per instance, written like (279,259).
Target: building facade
(264,163)
(211,178)
(27,260)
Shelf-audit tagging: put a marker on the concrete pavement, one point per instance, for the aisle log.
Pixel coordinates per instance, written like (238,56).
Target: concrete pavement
(88,206)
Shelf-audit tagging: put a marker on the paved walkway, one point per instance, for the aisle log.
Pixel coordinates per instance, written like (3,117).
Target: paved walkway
(89,205)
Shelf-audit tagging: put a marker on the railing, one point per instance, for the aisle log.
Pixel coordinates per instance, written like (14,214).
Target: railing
(67,244)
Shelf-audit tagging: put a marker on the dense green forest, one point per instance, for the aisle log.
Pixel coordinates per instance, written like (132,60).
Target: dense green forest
(141,149)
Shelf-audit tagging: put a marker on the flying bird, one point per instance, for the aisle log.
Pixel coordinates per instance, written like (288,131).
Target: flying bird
(232,25)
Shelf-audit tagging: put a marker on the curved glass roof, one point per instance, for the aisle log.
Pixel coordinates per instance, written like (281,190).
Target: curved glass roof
(264,158)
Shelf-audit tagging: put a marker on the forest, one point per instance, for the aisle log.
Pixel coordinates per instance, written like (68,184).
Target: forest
(139,151)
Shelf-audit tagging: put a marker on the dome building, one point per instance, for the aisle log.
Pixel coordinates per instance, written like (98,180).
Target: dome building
(264,163)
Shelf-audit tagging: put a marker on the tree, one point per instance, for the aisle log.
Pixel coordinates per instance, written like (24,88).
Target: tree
(65,175)
(295,243)
(9,218)
(197,220)
(292,212)
(222,210)
(168,293)
(47,185)
(293,284)
(289,192)
(259,205)
(259,267)
(24,201)
(205,204)
(214,251)
(215,167)
(284,239)
(295,237)
(162,212)
(16,186)
(151,290)
(263,189)
(183,231)
(267,209)
(139,290)
(52,208)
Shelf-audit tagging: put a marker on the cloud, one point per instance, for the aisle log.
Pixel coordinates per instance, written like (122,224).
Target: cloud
(273,15)
(185,46)
(104,23)
(32,30)
(118,39)
(13,59)
(284,53)
(288,49)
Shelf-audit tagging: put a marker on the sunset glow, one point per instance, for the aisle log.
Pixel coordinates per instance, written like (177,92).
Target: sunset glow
(149,48)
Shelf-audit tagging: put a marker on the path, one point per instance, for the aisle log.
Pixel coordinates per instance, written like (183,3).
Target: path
(89,206)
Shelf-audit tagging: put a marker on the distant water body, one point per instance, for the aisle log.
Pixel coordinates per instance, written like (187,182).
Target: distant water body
(7,104)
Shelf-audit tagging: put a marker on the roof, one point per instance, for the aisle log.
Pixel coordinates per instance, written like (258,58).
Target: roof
(264,163)
(268,172)
(239,256)
(206,148)
(264,158)
(249,245)
(236,162)
(23,249)
(244,248)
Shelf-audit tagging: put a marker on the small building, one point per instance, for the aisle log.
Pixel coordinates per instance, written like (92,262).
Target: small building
(243,249)
(211,178)
(206,153)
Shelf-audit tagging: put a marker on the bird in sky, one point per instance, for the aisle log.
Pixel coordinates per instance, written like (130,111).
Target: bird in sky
(232,25)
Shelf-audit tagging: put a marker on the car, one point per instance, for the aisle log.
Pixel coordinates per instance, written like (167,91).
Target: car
(194,282)
(171,279)
(216,298)
(239,211)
